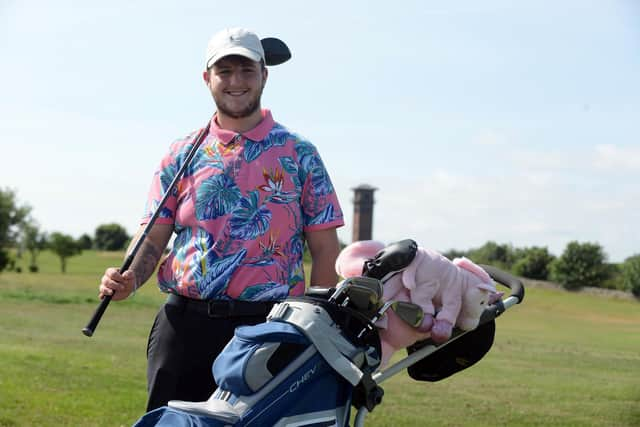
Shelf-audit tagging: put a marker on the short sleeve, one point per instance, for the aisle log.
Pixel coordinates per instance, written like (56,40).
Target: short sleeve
(159,184)
(320,205)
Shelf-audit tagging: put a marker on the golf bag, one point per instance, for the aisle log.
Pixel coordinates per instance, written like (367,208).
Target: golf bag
(302,367)
(317,355)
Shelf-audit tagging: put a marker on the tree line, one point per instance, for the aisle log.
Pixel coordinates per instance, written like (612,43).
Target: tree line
(580,264)
(21,232)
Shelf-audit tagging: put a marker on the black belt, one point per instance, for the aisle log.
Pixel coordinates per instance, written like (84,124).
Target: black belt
(222,308)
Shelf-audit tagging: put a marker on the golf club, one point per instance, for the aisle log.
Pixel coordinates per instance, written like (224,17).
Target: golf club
(408,312)
(97,315)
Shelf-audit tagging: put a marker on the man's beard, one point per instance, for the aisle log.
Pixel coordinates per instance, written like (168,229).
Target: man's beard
(251,107)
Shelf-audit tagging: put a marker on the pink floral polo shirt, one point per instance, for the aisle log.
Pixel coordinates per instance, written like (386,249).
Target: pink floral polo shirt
(240,211)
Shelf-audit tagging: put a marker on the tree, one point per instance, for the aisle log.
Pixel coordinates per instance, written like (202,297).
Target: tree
(85,242)
(11,216)
(581,264)
(111,237)
(533,263)
(64,246)
(501,256)
(454,253)
(33,241)
(631,274)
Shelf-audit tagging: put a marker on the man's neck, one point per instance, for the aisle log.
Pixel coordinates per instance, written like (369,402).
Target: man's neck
(240,125)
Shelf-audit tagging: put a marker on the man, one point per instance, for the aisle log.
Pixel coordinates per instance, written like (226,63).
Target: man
(252,195)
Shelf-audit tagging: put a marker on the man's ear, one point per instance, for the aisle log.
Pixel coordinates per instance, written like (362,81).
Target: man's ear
(205,76)
(265,75)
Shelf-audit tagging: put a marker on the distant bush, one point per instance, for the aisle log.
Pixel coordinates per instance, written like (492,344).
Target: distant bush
(581,264)
(111,237)
(631,274)
(614,277)
(533,263)
(85,242)
(492,253)
(454,253)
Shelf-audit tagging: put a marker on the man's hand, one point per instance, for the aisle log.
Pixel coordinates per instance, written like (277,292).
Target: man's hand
(120,286)
(142,266)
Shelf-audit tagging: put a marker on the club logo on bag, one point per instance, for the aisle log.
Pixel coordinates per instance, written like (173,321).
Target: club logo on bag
(303,379)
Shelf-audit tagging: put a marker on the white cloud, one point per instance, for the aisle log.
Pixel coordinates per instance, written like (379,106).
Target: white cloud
(492,138)
(445,210)
(612,157)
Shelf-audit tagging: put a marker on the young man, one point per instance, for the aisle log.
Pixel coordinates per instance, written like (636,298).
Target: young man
(252,195)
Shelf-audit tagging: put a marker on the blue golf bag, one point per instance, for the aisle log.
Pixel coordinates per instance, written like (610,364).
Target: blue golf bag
(303,367)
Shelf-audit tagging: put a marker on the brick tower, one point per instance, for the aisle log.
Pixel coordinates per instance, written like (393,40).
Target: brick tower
(362,212)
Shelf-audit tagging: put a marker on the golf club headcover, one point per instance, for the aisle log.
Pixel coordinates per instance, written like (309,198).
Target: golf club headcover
(454,357)
(352,257)
(392,259)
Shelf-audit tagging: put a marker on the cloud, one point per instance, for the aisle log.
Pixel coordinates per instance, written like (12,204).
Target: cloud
(446,209)
(611,157)
(491,138)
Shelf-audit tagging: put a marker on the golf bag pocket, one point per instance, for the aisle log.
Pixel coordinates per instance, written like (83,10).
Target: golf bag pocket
(255,355)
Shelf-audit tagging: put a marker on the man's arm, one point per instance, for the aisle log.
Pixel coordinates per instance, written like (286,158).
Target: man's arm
(143,264)
(324,248)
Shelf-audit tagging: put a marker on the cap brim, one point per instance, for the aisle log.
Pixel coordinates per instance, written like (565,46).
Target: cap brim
(236,50)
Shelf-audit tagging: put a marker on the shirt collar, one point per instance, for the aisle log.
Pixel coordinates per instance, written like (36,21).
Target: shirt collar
(258,133)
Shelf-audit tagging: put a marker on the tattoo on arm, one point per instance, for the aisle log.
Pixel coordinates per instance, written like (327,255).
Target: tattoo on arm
(145,262)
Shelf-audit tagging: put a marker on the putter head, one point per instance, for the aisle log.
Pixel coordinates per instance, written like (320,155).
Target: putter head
(275,51)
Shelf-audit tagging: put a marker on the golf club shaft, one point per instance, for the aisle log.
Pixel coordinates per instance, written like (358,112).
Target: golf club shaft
(104,303)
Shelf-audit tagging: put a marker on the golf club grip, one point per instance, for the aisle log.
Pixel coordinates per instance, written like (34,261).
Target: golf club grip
(97,315)
(104,303)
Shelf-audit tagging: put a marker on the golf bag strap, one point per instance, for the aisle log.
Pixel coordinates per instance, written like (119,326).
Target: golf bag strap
(318,326)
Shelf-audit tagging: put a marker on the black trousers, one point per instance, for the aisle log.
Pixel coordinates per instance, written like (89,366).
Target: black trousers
(182,347)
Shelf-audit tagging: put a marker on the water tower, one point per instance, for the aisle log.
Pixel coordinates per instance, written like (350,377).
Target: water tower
(363,212)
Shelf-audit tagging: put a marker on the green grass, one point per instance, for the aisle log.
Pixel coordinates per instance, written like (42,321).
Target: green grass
(560,359)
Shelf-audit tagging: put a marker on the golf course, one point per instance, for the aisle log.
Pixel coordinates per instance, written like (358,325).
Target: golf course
(559,359)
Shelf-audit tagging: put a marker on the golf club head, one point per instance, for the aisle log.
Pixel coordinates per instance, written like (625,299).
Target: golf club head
(362,299)
(410,313)
(275,51)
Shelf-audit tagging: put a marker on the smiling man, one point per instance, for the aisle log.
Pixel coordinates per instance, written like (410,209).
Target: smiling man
(254,194)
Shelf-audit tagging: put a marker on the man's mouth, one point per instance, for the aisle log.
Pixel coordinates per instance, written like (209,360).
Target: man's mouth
(236,92)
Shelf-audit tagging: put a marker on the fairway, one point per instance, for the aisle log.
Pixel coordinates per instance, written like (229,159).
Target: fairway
(560,359)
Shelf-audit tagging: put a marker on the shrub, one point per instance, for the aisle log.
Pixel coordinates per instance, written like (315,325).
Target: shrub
(111,237)
(85,242)
(631,274)
(581,264)
(499,255)
(533,263)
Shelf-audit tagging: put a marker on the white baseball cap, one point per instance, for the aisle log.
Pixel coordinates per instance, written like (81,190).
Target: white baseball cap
(234,41)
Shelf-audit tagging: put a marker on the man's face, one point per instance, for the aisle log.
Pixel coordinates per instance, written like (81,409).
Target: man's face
(236,84)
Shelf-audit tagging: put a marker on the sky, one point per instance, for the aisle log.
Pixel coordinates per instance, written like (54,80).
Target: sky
(512,122)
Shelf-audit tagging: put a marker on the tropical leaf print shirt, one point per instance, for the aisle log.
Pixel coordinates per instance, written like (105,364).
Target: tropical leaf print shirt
(240,211)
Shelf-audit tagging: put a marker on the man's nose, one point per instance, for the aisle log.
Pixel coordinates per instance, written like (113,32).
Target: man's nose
(235,77)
